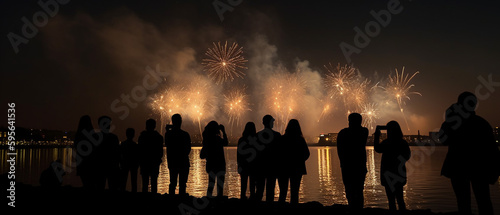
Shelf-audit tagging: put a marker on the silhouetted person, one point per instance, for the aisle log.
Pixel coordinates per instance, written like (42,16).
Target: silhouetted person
(85,151)
(473,157)
(266,159)
(51,177)
(213,152)
(129,159)
(178,143)
(245,160)
(151,154)
(351,148)
(108,155)
(395,152)
(293,155)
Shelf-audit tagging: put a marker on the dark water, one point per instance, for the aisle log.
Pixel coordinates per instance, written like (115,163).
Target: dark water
(426,189)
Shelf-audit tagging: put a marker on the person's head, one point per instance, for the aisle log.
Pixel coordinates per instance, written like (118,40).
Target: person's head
(394,130)
(268,121)
(130,132)
(355,120)
(150,125)
(176,120)
(211,129)
(84,124)
(249,129)
(293,128)
(104,123)
(468,101)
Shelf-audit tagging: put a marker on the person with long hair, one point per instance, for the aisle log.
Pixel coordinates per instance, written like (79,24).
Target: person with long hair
(292,164)
(395,153)
(245,160)
(213,152)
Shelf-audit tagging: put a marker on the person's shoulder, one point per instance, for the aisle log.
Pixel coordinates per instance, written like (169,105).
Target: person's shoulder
(344,130)
(276,133)
(364,129)
(185,133)
(144,133)
(480,120)
(241,140)
(156,133)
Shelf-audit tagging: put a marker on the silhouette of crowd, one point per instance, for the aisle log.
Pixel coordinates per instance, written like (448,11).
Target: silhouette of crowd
(266,157)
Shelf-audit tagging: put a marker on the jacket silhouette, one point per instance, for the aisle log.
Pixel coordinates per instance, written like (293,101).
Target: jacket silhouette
(268,143)
(151,154)
(129,160)
(473,159)
(178,144)
(292,163)
(108,152)
(351,148)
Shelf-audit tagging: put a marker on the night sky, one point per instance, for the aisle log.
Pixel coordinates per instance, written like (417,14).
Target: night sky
(91,52)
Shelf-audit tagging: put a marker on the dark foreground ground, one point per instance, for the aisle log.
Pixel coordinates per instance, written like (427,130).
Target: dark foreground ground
(76,200)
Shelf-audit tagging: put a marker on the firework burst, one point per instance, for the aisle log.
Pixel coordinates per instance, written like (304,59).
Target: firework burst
(286,94)
(236,105)
(399,88)
(199,101)
(167,103)
(224,62)
(370,115)
(339,79)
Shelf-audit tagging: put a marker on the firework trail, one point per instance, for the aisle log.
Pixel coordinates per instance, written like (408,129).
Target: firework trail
(286,93)
(399,88)
(224,62)
(235,106)
(199,101)
(345,82)
(167,103)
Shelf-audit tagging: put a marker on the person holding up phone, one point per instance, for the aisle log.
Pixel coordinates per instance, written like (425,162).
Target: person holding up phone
(395,153)
(213,151)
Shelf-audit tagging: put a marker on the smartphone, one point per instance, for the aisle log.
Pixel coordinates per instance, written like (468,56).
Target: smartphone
(381,127)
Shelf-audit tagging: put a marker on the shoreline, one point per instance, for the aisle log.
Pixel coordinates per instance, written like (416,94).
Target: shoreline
(69,197)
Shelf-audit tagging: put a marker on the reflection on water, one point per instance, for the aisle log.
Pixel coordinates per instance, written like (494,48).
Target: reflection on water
(426,189)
